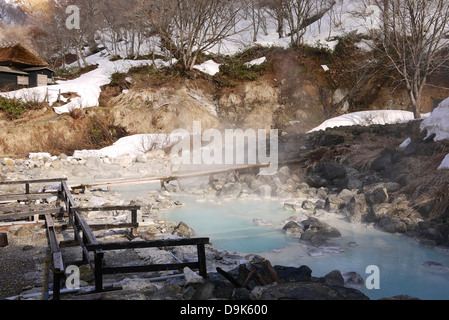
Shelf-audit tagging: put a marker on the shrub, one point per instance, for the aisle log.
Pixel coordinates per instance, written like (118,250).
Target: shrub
(14,108)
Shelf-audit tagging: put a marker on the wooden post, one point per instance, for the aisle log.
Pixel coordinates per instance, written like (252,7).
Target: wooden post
(202,259)
(134,221)
(98,271)
(56,285)
(3,239)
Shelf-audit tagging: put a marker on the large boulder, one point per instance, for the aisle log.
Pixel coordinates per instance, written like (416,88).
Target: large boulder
(356,208)
(291,228)
(392,225)
(309,291)
(317,232)
(231,190)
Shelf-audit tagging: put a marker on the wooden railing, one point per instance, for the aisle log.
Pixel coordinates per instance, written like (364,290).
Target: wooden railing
(92,251)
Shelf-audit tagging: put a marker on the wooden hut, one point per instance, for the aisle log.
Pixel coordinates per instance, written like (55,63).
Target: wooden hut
(20,67)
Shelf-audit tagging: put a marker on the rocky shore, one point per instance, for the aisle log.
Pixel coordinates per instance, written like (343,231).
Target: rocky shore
(311,189)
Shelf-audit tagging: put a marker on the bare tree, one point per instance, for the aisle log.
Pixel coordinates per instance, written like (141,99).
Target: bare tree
(302,13)
(188,28)
(414,39)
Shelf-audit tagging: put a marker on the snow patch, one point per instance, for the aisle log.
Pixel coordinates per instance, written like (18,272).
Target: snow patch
(210,67)
(366,118)
(437,123)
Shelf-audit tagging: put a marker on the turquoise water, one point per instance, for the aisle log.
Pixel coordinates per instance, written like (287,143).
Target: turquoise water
(231,226)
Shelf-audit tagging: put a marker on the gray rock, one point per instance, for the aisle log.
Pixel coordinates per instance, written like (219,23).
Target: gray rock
(310,291)
(382,162)
(124,161)
(392,225)
(353,280)
(346,195)
(334,278)
(356,208)
(334,170)
(292,228)
(377,195)
(334,203)
(308,205)
(183,230)
(231,190)
(191,277)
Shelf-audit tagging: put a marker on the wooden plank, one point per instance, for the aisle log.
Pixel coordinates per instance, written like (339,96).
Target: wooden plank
(106,208)
(33,181)
(234,282)
(113,226)
(186,175)
(25,207)
(148,268)
(147,244)
(30,196)
(21,215)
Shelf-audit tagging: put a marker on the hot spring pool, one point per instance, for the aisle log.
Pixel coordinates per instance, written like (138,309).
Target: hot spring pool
(254,226)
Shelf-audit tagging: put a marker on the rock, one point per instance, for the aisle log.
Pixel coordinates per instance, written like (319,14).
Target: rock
(332,170)
(309,291)
(435,266)
(264,191)
(316,181)
(86,273)
(401,297)
(353,280)
(183,230)
(331,140)
(308,205)
(334,278)
(142,158)
(334,203)
(191,277)
(291,206)
(346,195)
(392,225)
(154,154)
(379,210)
(124,161)
(356,208)
(80,171)
(93,163)
(292,274)
(57,164)
(214,288)
(383,162)
(22,232)
(378,195)
(314,226)
(315,253)
(231,190)
(293,229)
(354,183)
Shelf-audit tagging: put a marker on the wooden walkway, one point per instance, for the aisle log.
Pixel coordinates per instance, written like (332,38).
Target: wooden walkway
(14,207)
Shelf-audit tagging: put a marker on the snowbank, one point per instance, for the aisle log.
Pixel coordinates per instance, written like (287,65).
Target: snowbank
(438,122)
(132,145)
(366,118)
(87,86)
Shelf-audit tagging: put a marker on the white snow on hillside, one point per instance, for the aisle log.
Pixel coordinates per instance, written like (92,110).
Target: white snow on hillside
(438,122)
(88,86)
(366,118)
(132,145)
